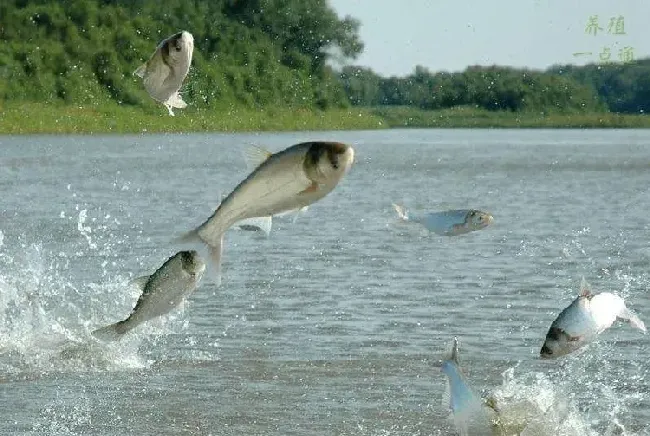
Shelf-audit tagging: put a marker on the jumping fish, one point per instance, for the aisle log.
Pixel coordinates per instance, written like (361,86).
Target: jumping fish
(584,319)
(450,222)
(469,412)
(163,74)
(290,179)
(162,291)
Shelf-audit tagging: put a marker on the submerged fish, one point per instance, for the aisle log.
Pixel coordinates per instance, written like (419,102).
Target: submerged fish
(469,412)
(162,291)
(164,72)
(290,179)
(450,222)
(584,319)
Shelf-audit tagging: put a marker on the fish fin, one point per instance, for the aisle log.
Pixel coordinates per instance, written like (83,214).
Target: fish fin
(632,317)
(140,282)
(456,228)
(176,101)
(401,212)
(585,288)
(311,188)
(254,156)
(141,70)
(111,332)
(298,212)
(259,223)
(454,351)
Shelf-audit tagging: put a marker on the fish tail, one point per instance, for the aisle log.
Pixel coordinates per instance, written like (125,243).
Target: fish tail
(141,70)
(215,247)
(176,101)
(634,320)
(111,332)
(190,237)
(401,212)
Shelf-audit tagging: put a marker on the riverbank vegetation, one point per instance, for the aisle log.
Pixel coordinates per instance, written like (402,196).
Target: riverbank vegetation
(270,65)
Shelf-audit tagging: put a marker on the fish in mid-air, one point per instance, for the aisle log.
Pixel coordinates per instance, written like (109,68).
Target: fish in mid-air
(449,222)
(469,412)
(162,291)
(287,180)
(584,319)
(163,74)
(254,156)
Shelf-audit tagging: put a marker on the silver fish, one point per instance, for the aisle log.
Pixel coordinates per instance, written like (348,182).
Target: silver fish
(584,319)
(449,222)
(290,179)
(162,291)
(469,412)
(254,156)
(163,74)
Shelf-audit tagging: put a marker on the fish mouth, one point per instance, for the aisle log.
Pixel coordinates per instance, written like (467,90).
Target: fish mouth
(546,352)
(182,39)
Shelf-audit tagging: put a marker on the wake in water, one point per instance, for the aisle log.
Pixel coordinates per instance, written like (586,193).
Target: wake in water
(537,404)
(46,319)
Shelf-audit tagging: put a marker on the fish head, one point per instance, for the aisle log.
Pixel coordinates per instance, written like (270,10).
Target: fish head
(178,49)
(192,263)
(328,162)
(477,219)
(558,343)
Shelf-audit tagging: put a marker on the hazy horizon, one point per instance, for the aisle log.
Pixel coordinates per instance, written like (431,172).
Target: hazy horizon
(534,34)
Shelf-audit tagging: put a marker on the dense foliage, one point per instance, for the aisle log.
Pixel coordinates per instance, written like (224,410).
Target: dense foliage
(247,52)
(624,88)
(620,88)
(268,53)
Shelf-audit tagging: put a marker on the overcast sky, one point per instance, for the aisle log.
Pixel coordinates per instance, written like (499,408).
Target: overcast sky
(453,34)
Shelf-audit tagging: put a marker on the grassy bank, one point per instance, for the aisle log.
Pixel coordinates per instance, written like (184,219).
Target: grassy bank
(27,118)
(464,117)
(31,118)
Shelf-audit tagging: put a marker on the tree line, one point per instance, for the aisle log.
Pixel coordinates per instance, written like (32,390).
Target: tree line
(258,53)
(619,88)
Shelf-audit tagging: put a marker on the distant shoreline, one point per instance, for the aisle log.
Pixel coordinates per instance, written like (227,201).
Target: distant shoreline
(39,118)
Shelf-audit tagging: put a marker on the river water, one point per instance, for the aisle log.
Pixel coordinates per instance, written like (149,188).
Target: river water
(336,323)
